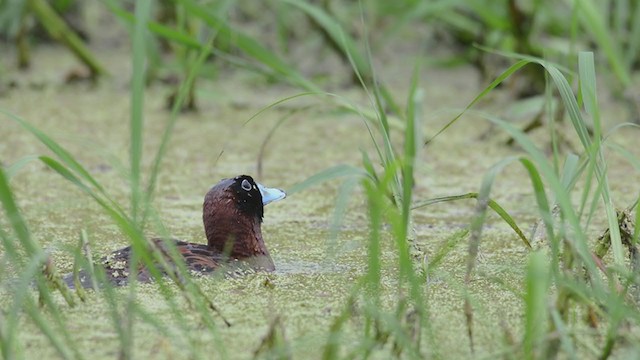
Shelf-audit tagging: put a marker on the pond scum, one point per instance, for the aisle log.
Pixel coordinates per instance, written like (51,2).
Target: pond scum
(359,287)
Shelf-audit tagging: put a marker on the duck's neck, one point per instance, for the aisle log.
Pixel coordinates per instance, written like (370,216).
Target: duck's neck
(241,242)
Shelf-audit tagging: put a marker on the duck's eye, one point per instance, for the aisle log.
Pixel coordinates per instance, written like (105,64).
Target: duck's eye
(245,185)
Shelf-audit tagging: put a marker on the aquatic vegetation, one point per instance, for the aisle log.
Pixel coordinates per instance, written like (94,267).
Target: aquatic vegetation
(377,250)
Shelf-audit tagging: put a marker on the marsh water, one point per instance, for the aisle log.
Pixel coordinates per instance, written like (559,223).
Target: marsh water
(315,270)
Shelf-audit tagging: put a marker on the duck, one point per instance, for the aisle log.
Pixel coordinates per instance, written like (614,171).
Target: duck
(232,215)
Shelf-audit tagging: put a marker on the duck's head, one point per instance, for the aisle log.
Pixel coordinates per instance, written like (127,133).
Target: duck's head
(232,213)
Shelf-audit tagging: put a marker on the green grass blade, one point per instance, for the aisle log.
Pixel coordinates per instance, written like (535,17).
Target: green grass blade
(368,165)
(626,154)
(66,352)
(28,273)
(16,220)
(633,50)
(536,317)
(142,13)
(570,171)
(376,206)
(249,45)
(131,230)
(115,213)
(331,173)
(529,58)
(166,32)
(194,68)
(337,34)
(444,249)
(581,129)
(19,292)
(586,70)
(59,30)
(411,139)
(421,11)
(513,68)
(509,220)
(636,232)
(588,89)
(60,152)
(544,168)
(566,338)
(492,204)
(281,101)
(593,21)
(345,192)
(570,103)
(343,103)
(71,163)
(480,214)
(12,169)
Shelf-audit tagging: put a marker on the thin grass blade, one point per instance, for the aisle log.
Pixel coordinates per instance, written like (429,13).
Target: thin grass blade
(331,173)
(492,204)
(60,152)
(249,45)
(136,124)
(594,22)
(513,68)
(337,34)
(13,169)
(536,316)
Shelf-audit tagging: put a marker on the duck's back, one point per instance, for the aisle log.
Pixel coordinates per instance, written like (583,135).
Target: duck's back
(199,259)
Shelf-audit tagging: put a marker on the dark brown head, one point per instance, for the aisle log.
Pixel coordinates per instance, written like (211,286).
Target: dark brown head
(232,214)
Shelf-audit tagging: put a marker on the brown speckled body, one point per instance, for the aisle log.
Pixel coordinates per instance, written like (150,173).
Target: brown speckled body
(232,215)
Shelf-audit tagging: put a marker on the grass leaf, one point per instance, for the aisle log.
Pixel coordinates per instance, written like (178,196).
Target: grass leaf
(492,204)
(326,175)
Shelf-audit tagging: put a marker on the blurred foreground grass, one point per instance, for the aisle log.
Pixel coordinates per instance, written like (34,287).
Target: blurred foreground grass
(384,282)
